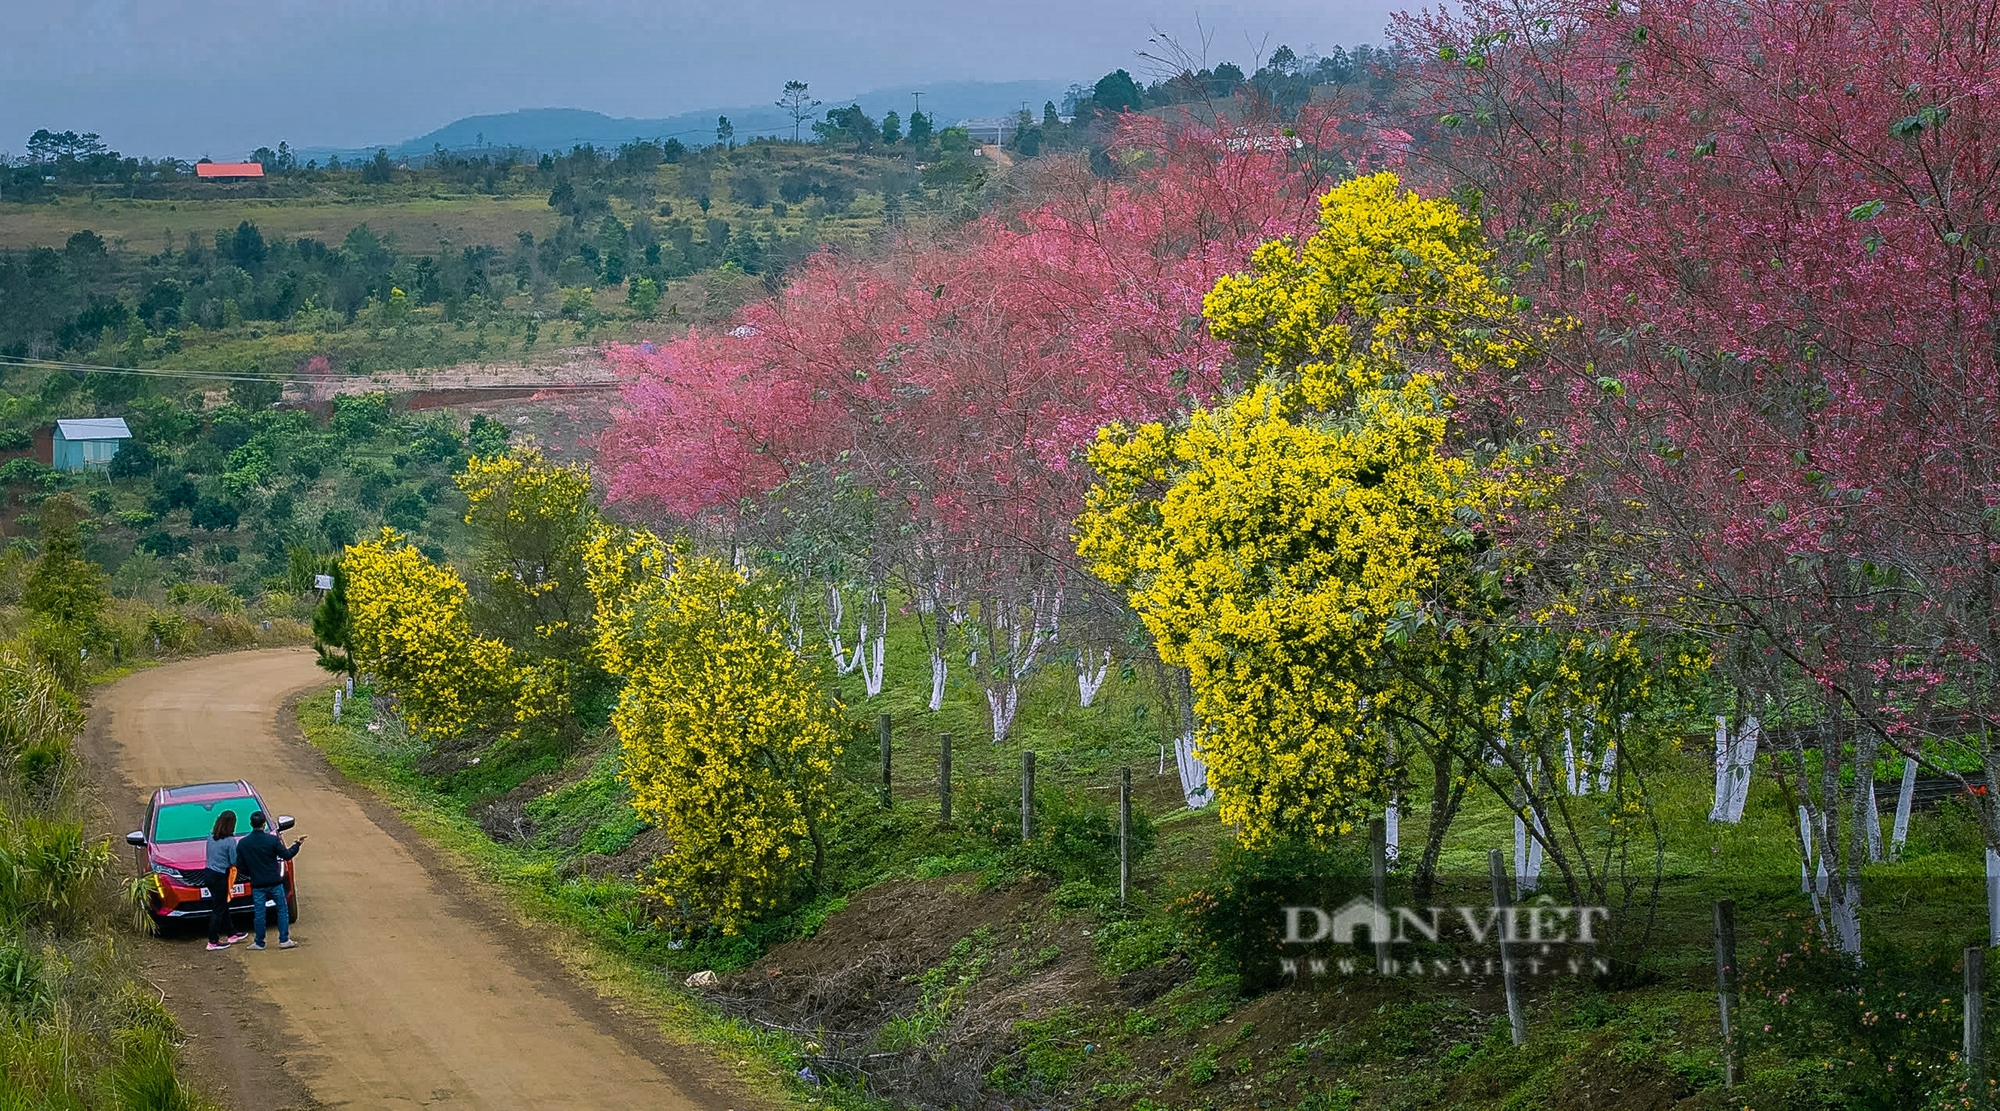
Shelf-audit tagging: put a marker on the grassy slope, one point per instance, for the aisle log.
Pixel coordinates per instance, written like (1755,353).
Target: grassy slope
(148,225)
(1320,1045)
(417,216)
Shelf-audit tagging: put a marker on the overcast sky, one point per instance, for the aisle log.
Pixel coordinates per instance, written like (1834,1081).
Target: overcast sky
(219,77)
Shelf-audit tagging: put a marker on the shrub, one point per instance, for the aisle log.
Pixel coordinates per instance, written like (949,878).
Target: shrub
(162,543)
(48,871)
(26,472)
(213,597)
(212,515)
(134,460)
(1235,918)
(1880,1033)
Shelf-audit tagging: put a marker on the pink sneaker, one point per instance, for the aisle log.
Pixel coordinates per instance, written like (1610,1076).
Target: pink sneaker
(234,938)
(215,945)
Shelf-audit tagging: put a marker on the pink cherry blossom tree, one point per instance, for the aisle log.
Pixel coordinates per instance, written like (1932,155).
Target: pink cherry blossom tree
(1766,229)
(959,379)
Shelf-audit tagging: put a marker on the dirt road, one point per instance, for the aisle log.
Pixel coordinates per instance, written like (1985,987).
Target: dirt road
(406,990)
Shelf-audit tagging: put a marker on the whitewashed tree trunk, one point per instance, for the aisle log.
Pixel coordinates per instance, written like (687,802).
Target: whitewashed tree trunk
(836,633)
(795,629)
(1571,781)
(1847,918)
(1735,760)
(1393,813)
(1742,765)
(1901,830)
(1721,804)
(1090,676)
(940,617)
(1992,898)
(1806,856)
(872,677)
(1003,701)
(1017,640)
(1607,766)
(1194,772)
(1528,837)
(1391,823)
(1874,820)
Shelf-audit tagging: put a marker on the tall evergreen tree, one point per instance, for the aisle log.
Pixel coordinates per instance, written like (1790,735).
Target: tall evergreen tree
(66,589)
(333,632)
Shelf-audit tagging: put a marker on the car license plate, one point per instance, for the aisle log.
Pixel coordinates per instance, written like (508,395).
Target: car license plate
(234,891)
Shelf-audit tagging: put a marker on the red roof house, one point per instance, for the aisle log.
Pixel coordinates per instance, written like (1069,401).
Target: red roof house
(228,171)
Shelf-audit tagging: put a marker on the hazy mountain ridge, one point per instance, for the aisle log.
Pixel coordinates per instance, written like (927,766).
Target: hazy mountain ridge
(552,129)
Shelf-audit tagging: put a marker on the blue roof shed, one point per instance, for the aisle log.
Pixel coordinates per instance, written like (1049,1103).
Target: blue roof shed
(91,442)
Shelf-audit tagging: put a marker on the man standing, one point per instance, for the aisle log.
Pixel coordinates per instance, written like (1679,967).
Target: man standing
(257,857)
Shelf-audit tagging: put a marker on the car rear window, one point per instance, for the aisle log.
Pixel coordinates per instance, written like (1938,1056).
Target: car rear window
(193,821)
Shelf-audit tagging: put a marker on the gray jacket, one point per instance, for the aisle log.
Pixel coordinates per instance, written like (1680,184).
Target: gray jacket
(221,854)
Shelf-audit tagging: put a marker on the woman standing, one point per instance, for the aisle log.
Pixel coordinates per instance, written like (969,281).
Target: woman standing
(221,862)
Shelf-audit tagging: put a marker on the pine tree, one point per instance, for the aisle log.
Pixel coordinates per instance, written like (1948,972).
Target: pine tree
(332,631)
(66,589)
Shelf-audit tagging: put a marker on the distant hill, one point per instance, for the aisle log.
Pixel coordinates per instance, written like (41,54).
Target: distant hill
(551,129)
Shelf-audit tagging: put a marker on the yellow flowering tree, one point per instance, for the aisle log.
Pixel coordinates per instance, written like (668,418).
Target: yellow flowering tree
(728,741)
(1270,542)
(1319,550)
(409,629)
(529,586)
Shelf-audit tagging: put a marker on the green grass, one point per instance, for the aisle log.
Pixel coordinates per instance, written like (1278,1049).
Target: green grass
(1420,1047)
(148,225)
(590,925)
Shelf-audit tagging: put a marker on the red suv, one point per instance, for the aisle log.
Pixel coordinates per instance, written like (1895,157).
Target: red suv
(173,846)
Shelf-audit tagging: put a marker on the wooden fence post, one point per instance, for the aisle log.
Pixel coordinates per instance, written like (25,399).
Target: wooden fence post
(882,728)
(1027,796)
(1975,1015)
(1503,921)
(944,780)
(1725,984)
(1124,834)
(1378,849)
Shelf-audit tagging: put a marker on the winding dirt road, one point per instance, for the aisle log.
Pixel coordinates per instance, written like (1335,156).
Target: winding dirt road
(408,988)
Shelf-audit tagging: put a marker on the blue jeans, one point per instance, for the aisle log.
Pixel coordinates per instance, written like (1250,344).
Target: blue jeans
(276,893)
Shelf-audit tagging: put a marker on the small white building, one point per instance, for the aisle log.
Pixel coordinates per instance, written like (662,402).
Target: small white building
(88,443)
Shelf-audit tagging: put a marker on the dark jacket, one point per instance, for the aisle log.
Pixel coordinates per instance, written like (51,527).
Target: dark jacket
(257,857)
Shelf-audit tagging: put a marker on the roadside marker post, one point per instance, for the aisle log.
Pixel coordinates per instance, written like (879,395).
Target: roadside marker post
(1503,911)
